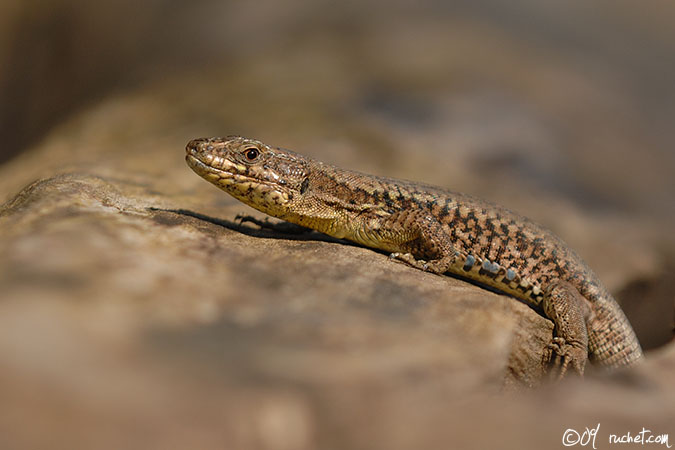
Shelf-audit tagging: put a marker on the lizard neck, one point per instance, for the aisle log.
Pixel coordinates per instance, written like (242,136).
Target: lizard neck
(337,202)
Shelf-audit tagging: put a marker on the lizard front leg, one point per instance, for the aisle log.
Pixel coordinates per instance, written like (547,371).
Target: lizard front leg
(280,227)
(570,313)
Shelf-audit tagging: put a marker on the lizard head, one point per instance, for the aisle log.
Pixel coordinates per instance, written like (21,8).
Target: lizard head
(266,178)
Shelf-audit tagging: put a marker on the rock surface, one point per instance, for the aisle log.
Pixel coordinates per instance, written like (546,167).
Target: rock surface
(136,312)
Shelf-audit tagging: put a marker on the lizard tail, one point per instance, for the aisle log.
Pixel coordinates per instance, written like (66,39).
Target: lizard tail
(612,342)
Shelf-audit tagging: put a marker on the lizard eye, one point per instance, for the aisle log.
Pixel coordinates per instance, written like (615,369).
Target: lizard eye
(252,153)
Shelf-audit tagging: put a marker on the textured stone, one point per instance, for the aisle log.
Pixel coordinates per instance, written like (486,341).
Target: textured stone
(121,306)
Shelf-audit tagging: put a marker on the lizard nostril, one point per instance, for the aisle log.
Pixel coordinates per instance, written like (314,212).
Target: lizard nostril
(194,145)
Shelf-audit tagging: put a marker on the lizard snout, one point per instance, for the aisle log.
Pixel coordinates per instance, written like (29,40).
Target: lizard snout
(194,145)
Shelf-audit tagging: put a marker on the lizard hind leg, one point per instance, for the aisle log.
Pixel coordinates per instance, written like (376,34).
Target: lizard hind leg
(430,249)
(570,313)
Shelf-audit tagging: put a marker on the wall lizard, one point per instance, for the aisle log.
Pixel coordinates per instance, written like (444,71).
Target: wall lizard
(434,230)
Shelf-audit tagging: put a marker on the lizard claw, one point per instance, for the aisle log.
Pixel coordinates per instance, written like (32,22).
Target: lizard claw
(561,355)
(411,261)
(248,219)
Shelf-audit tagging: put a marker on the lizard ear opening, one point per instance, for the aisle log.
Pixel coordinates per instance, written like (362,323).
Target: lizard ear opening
(304,185)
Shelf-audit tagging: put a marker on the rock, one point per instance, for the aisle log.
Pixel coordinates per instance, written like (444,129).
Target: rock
(112,299)
(314,302)
(124,309)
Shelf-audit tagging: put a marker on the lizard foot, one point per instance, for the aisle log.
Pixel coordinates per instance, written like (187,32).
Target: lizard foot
(562,355)
(409,259)
(280,227)
(569,311)
(437,266)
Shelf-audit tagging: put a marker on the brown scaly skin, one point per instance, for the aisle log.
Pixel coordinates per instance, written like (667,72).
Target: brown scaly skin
(434,230)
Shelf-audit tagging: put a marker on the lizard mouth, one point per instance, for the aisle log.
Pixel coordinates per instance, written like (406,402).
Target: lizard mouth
(207,164)
(215,174)
(222,176)
(201,168)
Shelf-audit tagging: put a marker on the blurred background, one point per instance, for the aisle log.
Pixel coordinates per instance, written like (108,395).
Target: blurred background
(582,88)
(560,110)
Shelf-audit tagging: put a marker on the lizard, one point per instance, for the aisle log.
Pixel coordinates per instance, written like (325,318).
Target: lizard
(435,230)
